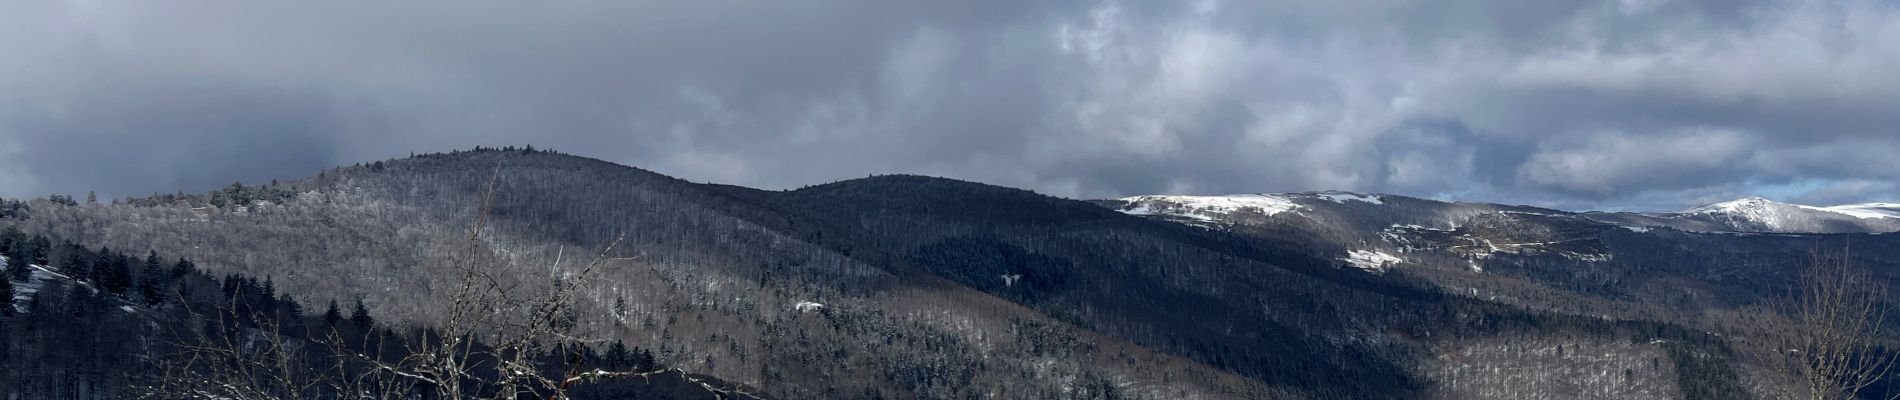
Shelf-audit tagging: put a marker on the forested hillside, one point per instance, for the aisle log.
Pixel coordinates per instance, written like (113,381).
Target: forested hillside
(1270,311)
(1575,263)
(713,284)
(83,323)
(884,287)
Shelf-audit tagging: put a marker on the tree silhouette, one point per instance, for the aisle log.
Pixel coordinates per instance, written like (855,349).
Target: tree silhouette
(360,316)
(331,315)
(1836,316)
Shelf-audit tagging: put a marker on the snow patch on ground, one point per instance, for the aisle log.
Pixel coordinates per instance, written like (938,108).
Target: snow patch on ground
(1150,209)
(23,291)
(1343,197)
(1371,260)
(807,306)
(39,277)
(1207,208)
(1417,227)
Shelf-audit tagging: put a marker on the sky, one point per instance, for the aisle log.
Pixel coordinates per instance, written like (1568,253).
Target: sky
(1633,104)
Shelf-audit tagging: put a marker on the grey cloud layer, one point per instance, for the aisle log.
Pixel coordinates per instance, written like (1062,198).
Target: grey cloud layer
(1634,103)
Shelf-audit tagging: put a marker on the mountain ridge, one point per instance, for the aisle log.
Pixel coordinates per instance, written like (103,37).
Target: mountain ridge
(1748,214)
(714,282)
(916,286)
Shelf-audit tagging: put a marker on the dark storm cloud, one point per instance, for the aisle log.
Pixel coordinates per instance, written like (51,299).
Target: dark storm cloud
(1634,103)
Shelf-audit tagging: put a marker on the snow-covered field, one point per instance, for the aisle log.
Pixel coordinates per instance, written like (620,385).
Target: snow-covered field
(1208,208)
(1868,210)
(1212,208)
(1343,197)
(1372,260)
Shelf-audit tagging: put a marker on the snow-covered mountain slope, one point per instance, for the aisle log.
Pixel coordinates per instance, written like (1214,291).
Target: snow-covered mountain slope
(1755,214)
(1868,210)
(1353,227)
(1752,214)
(1207,208)
(1767,214)
(1217,209)
(1760,209)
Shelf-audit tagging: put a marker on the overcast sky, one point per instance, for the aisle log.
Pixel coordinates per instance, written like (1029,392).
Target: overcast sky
(1635,104)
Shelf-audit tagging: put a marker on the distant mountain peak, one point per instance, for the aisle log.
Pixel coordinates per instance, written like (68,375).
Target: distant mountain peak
(1746,214)
(1738,205)
(1755,205)
(1755,213)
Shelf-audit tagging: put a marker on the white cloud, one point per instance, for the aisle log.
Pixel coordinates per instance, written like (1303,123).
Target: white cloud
(1549,101)
(1604,164)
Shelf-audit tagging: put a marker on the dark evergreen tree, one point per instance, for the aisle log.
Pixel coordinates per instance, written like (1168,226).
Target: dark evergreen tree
(152,280)
(266,295)
(6,297)
(290,313)
(360,316)
(101,262)
(10,239)
(332,315)
(617,356)
(78,297)
(182,268)
(17,269)
(115,275)
(37,249)
(16,262)
(16,253)
(643,360)
(75,261)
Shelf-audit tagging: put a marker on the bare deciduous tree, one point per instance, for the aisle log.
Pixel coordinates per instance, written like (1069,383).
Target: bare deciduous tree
(222,359)
(1831,346)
